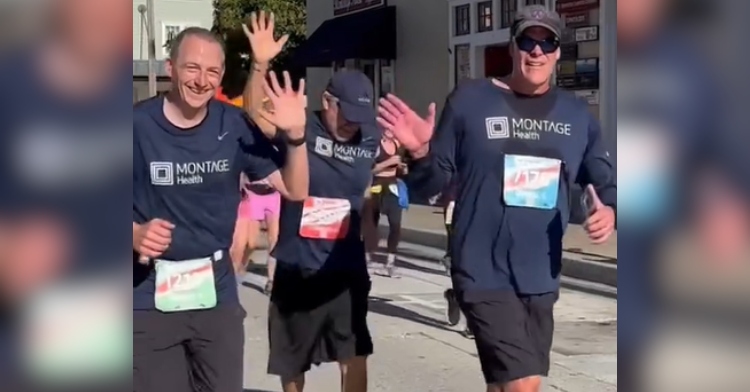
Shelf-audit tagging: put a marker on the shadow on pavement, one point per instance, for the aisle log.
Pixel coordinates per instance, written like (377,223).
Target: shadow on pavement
(382,306)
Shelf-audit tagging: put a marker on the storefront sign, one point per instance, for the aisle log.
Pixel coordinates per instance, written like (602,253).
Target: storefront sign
(577,19)
(567,36)
(343,7)
(568,6)
(569,52)
(591,96)
(579,82)
(589,33)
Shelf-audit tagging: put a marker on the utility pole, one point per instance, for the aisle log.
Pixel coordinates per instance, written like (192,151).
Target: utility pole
(151,47)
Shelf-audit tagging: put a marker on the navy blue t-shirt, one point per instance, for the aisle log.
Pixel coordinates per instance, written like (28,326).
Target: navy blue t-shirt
(190,177)
(496,246)
(338,171)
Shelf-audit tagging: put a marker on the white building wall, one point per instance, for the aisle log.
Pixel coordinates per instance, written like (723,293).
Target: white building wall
(169,15)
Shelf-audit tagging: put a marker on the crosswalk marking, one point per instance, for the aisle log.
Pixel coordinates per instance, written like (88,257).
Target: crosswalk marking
(418,301)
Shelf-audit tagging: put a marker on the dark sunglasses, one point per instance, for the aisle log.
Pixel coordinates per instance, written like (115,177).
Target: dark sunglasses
(528,44)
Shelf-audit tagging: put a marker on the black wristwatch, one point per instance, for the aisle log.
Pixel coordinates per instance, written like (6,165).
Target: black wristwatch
(294,142)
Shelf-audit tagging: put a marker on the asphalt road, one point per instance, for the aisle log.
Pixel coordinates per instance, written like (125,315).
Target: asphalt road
(416,351)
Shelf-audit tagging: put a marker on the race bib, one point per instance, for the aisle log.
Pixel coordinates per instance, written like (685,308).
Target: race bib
(376,189)
(185,285)
(531,182)
(325,219)
(449,213)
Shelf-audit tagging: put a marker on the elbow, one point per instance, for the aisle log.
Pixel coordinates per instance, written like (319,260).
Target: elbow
(298,195)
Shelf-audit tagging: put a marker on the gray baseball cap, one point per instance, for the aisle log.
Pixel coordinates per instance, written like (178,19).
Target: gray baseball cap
(537,16)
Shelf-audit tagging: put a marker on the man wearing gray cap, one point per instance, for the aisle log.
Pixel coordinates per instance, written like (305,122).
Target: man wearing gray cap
(515,148)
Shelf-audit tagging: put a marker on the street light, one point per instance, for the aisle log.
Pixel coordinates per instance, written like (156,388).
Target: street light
(148,11)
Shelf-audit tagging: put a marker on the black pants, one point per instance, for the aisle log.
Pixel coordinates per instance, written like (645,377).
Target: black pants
(316,317)
(513,333)
(386,203)
(199,351)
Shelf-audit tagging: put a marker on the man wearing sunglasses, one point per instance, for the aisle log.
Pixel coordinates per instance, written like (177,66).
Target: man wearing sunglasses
(516,148)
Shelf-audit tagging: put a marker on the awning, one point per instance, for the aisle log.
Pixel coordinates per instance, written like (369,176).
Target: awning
(365,35)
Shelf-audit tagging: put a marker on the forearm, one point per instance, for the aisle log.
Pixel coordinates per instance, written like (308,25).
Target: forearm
(426,177)
(254,96)
(296,173)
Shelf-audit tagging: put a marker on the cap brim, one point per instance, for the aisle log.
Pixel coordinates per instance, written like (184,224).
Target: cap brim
(534,23)
(358,114)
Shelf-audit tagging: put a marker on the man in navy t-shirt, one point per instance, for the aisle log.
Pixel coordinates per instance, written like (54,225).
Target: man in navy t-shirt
(188,153)
(319,306)
(515,148)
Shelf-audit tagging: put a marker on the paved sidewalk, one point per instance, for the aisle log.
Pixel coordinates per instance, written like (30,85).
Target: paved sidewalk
(415,351)
(576,241)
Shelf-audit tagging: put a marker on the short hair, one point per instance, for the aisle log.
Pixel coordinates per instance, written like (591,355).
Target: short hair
(200,32)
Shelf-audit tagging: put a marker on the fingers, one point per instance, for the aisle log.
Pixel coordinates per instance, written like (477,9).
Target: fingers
(247,31)
(301,89)
(283,40)
(389,107)
(599,226)
(388,117)
(263,20)
(277,89)
(288,83)
(271,21)
(386,126)
(254,22)
(398,103)
(431,113)
(268,89)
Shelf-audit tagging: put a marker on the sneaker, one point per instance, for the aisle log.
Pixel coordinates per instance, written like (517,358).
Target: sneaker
(453,313)
(390,270)
(467,333)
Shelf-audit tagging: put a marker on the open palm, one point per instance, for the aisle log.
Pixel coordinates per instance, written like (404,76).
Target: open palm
(398,119)
(260,33)
(288,114)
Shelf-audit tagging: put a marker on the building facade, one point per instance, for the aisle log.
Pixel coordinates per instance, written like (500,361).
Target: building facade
(480,38)
(171,17)
(400,44)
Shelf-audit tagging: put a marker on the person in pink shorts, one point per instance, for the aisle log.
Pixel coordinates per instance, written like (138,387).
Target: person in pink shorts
(260,203)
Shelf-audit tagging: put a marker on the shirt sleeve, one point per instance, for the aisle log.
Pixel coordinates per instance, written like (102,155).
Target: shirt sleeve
(428,176)
(262,158)
(596,168)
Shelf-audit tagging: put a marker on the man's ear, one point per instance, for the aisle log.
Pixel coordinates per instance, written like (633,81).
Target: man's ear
(168,67)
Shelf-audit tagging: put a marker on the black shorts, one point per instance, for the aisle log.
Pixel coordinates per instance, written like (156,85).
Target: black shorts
(189,351)
(513,333)
(316,318)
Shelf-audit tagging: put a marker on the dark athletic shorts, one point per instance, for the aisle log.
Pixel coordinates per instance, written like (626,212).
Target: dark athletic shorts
(513,333)
(189,351)
(316,317)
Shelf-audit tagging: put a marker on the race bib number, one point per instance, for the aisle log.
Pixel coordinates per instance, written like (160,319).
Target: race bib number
(78,331)
(449,213)
(325,219)
(185,285)
(531,182)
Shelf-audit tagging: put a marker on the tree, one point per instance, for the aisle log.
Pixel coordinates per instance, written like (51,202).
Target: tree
(229,15)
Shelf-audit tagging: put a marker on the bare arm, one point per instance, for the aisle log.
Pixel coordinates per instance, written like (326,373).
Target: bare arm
(254,98)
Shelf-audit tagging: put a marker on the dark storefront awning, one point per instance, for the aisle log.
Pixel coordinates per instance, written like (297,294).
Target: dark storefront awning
(364,35)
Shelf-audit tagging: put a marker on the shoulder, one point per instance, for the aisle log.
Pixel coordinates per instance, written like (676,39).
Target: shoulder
(469,88)
(570,99)
(143,113)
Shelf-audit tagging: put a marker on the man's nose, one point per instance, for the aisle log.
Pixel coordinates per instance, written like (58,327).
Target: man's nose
(537,51)
(202,79)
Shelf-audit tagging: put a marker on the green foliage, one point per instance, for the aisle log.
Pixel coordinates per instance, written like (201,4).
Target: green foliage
(229,15)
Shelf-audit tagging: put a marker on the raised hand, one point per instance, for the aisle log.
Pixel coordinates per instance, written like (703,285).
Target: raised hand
(600,224)
(404,124)
(260,33)
(289,106)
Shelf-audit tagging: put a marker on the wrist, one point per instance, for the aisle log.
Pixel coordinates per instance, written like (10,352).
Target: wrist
(260,66)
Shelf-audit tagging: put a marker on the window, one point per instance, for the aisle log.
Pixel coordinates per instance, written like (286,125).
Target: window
(484,16)
(536,2)
(462,62)
(462,20)
(169,32)
(507,13)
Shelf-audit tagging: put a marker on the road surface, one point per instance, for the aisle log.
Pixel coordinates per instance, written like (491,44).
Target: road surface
(416,351)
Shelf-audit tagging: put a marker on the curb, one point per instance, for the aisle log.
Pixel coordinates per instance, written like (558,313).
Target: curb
(578,267)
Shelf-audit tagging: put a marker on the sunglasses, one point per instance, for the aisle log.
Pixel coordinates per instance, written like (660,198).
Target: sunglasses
(528,44)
